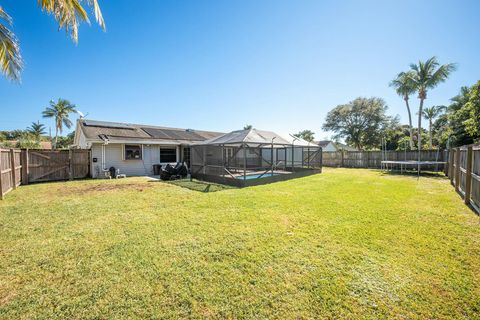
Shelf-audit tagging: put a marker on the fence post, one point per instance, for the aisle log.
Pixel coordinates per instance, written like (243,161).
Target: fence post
(1,185)
(343,165)
(24,166)
(70,164)
(457,169)
(451,153)
(368,159)
(13,172)
(468,175)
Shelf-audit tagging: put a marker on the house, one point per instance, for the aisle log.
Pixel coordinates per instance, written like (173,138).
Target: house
(344,147)
(330,146)
(326,145)
(134,148)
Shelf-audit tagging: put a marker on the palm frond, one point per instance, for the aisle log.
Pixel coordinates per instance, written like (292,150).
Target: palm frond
(441,74)
(98,14)
(11,62)
(403,85)
(432,112)
(4,15)
(428,74)
(70,13)
(60,111)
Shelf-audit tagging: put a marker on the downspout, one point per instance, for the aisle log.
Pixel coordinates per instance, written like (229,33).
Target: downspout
(105,142)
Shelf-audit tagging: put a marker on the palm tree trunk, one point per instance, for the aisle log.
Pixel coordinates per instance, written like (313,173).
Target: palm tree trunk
(430,142)
(56,137)
(420,113)
(410,123)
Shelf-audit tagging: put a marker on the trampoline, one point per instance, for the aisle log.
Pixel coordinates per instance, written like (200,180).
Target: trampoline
(404,165)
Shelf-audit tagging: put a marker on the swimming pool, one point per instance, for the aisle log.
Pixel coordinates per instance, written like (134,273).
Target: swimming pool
(259,175)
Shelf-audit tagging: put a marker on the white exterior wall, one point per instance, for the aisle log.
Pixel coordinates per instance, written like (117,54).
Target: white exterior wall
(82,141)
(330,147)
(114,158)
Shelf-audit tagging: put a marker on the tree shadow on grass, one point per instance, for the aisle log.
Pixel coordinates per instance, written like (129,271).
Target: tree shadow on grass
(200,186)
(414,174)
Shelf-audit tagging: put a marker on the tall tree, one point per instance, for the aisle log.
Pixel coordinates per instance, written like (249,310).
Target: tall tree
(68,13)
(472,112)
(360,122)
(27,141)
(430,114)
(456,119)
(60,111)
(307,135)
(427,75)
(36,129)
(247,127)
(405,87)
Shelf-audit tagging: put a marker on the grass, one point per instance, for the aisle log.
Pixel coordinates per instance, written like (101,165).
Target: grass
(342,244)
(200,185)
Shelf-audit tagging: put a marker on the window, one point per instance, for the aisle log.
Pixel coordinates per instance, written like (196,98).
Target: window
(133,152)
(168,155)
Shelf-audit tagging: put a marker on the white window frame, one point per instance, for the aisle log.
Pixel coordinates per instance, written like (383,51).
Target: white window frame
(132,144)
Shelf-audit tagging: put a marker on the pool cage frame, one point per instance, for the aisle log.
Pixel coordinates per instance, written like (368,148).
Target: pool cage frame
(248,164)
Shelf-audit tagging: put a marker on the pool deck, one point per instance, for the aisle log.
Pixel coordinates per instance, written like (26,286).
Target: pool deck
(236,179)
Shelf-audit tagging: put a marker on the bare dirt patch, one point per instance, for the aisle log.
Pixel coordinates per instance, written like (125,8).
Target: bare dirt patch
(106,187)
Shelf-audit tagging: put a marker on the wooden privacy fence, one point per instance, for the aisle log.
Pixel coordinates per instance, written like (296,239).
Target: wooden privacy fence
(30,166)
(373,159)
(464,173)
(10,170)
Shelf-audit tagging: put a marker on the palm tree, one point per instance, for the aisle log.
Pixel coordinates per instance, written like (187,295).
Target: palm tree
(36,129)
(60,111)
(427,75)
(430,114)
(68,13)
(10,57)
(405,87)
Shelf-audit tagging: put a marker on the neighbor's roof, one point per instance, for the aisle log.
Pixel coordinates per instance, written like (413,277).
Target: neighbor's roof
(323,143)
(338,145)
(345,147)
(255,137)
(118,131)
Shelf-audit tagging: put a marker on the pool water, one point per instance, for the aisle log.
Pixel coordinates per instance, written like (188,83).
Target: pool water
(256,176)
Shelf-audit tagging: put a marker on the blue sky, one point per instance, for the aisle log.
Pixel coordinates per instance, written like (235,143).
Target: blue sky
(217,65)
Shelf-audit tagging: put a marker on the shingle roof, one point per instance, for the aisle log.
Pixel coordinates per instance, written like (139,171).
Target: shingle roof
(323,143)
(94,129)
(338,145)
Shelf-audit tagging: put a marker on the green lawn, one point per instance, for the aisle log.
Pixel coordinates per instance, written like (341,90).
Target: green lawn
(341,244)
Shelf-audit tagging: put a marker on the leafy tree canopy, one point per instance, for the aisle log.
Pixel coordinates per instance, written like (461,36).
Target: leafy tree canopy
(461,124)
(361,122)
(471,111)
(306,135)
